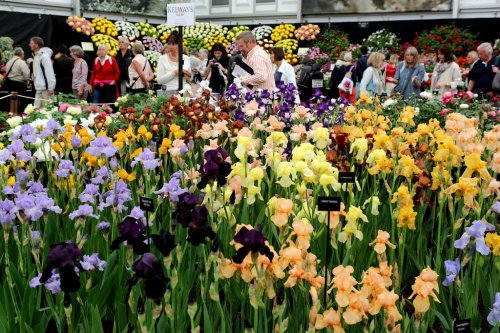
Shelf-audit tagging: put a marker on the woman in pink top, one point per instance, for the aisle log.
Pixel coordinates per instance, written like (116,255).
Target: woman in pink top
(139,71)
(80,71)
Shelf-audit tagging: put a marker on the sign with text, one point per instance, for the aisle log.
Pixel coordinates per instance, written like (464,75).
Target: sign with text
(147,204)
(462,326)
(180,14)
(347,177)
(329,204)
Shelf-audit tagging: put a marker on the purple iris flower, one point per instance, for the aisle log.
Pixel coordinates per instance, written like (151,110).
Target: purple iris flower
(65,168)
(5,155)
(84,210)
(103,225)
(17,148)
(137,213)
(89,194)
(452,268)
(101,176)
(496,207)
(8,212)
(51,127)
(147,159)
(215,167)
(131,231)
(22,175)
(195,217)
(27,133)
(101,145)
(475,231)
(116,197)
(252,241)
(172,188)
(494,315)
(89,263)
(52,284)
(76,141)
(149,269)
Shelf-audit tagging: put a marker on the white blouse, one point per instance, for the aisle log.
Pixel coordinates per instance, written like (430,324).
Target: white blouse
(166,71)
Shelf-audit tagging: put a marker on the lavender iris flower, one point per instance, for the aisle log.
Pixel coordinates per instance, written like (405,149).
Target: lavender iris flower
(476,231)
(89,194)
(147,159)
(92,262)
(65,168)
(5,155)
(101,176)
(84,210)
(452,269)
(8,212)
(496,207)
(116,197)
(22,175)
(27,133)
(103,225)
(76,142)
(51,127)
(53,284)
(494,315)
(101,145)
(172,188)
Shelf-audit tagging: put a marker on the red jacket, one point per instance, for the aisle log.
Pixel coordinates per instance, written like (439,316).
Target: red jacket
(109,71)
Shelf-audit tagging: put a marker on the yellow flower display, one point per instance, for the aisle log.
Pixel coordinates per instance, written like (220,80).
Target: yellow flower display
(105,26)
(283,31)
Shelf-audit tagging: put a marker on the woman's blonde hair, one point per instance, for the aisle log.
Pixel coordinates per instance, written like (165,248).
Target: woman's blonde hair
(394,58)
(375,59)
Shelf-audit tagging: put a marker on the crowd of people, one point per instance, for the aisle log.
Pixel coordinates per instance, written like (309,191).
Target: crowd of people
(106,78)
(372,74)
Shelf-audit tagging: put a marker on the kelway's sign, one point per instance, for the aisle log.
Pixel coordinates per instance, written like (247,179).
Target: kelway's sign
(180,14)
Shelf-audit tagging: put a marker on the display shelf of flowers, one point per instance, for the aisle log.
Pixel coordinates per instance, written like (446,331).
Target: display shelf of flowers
(104,26)
(262,32)
(147,30)
(152,44)
(127,29)
(307,32)
(164,30)
(382,41)
(210,41)
(461,40)
(109,41)
(152,56)
(283,31)
(80,25)
(204,30)
(235,31)
(290,47)
(332,41)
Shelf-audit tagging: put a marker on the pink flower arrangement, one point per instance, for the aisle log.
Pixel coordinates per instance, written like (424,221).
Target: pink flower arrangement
(307,32)
(152,44)
(80,24)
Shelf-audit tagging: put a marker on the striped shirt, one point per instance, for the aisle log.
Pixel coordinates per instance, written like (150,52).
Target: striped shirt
(260,62)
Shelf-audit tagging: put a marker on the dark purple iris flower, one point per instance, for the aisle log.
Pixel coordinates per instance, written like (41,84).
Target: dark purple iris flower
(195,217)
(63,256)
(150,270)
(132,231)
(252,241)
(214,167)
(164,242)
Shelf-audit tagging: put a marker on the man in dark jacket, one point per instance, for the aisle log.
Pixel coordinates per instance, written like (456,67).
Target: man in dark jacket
(362,63)
(124,59)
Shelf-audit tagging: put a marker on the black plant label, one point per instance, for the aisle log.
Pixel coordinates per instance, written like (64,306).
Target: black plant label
(329,204)
(347,177)
(147,204)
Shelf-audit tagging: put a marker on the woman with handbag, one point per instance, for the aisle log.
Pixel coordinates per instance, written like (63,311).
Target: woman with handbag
(373,81)
(139,71)
(17,76)
(409,74)
(80,72)
(105,75)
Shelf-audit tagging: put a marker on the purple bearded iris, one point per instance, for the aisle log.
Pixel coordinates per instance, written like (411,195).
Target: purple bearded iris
(101,145)
(172,188)
(475,231)
(150,270)
(131,231)
(452,269)
(147,159)
(63,256)
(195,217)
(252,241)
(214,167)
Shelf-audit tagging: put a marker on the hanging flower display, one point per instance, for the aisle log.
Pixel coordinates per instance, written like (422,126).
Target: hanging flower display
(152,44)
(235,31)
(80,24)
(262,32)
(146,29)
(127,29)
(110,42)
(283,31)
(307,32)
(105,26)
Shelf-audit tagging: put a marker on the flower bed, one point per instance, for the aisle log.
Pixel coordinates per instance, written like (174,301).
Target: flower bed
(235,239)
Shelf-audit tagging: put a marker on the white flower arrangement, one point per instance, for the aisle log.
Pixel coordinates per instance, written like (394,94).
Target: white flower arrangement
(127,29)
(262,32)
